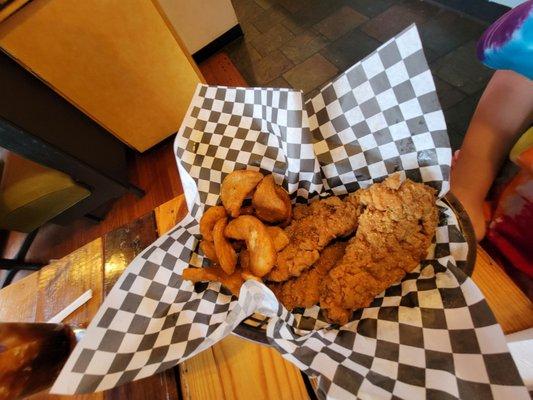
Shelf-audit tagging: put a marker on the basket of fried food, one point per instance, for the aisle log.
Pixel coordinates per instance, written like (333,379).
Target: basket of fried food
(336,252)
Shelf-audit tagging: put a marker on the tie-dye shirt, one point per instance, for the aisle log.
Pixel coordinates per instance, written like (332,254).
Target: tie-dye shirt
(508,44)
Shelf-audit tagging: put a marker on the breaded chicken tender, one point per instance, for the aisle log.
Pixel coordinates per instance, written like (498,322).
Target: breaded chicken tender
(395,229)
(311,231)
(304,291)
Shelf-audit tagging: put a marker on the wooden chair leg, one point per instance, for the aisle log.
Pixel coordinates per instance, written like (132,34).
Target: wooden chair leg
(10,276)
(21,254)
(18,264)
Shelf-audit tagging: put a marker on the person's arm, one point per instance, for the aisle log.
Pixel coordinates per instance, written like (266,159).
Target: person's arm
(504,111)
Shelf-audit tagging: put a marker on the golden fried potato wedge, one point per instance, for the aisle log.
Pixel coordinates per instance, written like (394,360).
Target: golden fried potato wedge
(247,275)
(279,237)
(244,260)
(258,242)
(227,258)
(268,206)
(247,210)
(208,248)
(209,219)
(284,196)
(238,245)
(214,274)
(271,203)
(235,187)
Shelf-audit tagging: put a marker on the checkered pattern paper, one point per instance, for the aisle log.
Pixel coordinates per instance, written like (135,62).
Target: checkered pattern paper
(431,335)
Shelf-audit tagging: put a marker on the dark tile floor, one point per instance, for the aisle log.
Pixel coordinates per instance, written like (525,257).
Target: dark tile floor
(305,43)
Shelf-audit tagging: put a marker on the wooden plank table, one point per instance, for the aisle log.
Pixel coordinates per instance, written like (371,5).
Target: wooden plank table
(232,369)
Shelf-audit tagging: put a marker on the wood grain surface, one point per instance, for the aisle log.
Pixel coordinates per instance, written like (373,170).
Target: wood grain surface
(120,248)
(511,307)
(62,282)
(233,368)
(18,301)
(238,369)
(170,213)
(122,245)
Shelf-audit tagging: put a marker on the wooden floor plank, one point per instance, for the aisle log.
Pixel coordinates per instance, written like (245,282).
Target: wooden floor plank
(511,307)
(120,248)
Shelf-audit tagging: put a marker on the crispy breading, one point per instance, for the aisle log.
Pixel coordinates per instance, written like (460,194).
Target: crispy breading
(395,230)
(279,237)
(304,291)
(311,231)
(300,211)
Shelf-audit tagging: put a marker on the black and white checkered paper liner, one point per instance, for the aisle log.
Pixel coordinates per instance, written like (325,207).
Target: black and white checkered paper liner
(430,336)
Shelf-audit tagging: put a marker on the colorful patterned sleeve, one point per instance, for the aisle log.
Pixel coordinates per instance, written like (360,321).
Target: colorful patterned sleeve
(508,43)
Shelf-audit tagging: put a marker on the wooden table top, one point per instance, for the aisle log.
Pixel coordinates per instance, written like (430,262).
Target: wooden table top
(233,368)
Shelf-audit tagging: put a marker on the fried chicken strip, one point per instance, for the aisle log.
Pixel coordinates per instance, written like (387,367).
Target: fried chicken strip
(395,230)
(304,291)
(311,231)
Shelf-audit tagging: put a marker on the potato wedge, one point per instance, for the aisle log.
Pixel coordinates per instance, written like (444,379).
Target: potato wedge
(238,245)
(235,187)
(244,260)
(209,219)
(271,202)
(247,210)
(227,257)
(208,248)
(284,196)
(258,242)
(214,274)
(247,275)
(279,237)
